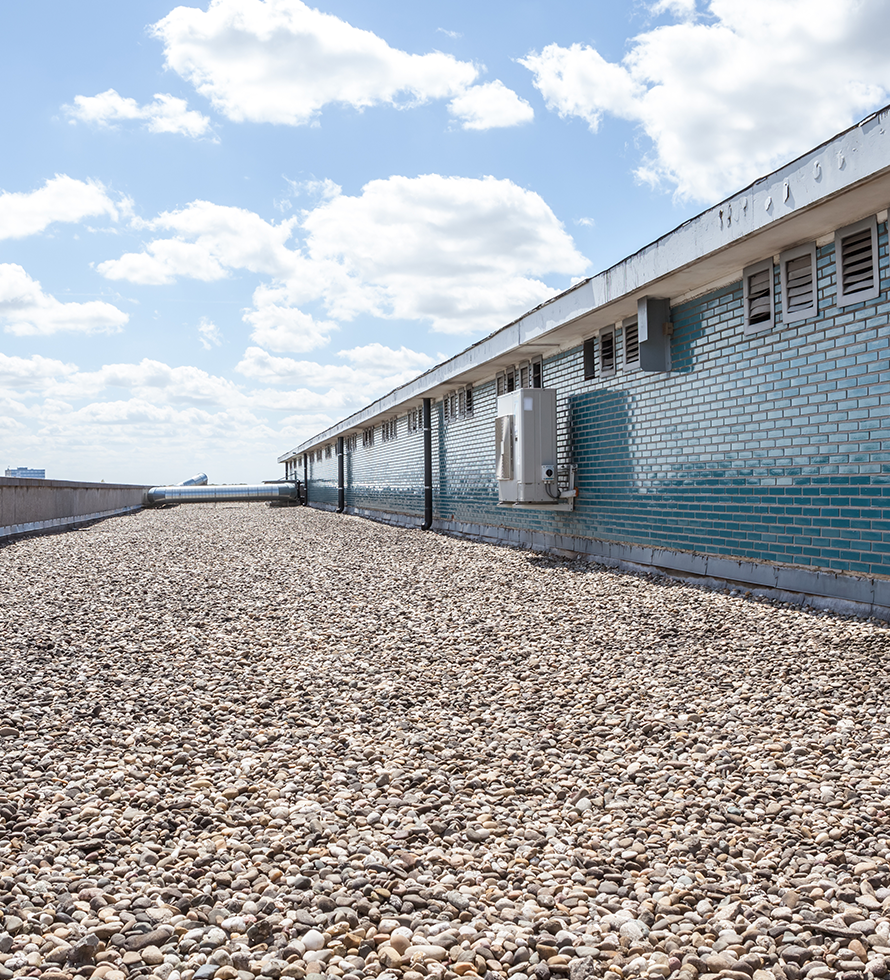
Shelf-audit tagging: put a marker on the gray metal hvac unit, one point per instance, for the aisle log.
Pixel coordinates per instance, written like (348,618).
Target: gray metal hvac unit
(525,435)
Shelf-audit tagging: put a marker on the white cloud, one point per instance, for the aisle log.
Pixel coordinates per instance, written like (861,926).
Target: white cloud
(31,372)
(281,61)
(726,101)
(209,334)
(166,114)
(490,106)
(27,310)
(287,328)
(155,382)
(61,198)
(681,9)
(384,360)
(452,34)
(373,371)
(83,424)
(462,254)
(211,240)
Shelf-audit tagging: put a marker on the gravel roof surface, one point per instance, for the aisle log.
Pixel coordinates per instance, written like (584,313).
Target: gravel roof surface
(239,742)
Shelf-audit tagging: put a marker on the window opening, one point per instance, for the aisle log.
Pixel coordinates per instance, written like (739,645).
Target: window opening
(368,437)
(389,430)
(537,374)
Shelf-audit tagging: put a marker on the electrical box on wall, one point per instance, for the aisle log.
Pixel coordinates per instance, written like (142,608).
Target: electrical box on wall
(653,318)
(525,438)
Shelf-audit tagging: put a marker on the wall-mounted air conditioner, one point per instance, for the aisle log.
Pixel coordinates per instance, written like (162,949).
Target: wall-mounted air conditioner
(525,440)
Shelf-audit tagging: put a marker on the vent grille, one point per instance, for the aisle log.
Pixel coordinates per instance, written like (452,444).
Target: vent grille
(632,343)
(607,352)
(857,263)
(760,296)
(799,283)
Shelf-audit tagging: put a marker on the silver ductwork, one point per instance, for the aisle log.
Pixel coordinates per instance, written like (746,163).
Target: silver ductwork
(198,480)
(273,492)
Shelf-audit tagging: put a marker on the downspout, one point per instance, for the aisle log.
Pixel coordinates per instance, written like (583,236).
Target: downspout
(427,466)
(305,479)
(341,486)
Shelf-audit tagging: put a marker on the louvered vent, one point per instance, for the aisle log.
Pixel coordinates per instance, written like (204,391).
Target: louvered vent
(607,352)
(760,296)
(798,272)
(632,343)
(799,283)
(857,263)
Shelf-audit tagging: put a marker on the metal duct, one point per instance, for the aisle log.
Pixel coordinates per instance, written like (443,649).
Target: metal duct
(209,495)
(198,480)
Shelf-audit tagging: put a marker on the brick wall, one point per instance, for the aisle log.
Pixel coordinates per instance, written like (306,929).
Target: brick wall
(773,446)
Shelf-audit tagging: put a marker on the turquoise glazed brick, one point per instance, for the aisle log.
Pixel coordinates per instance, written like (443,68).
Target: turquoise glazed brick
(773,446)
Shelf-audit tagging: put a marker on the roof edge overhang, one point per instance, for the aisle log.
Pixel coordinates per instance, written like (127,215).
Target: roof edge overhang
(842,180)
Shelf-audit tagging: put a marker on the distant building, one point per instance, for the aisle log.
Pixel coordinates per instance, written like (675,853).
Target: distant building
(24,473)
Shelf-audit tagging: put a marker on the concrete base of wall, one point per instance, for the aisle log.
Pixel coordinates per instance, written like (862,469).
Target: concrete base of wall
(44,506)
(814,588)
(60,523)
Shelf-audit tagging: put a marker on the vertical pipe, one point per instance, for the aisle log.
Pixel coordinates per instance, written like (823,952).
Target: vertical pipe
(341,485)
(305,479)
(427,466)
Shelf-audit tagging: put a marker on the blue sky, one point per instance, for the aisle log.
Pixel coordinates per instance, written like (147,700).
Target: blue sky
(225,226)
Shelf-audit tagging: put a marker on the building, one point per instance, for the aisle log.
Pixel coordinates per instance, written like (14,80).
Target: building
(24,473)
(722,399)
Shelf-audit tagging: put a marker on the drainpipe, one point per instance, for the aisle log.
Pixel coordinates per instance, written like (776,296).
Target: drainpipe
(341,486)
(305,480)
(427,466)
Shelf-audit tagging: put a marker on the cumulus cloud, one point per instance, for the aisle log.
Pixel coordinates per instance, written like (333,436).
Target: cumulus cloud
(61,198)
(287,328)
(462,254)
(211,239)
(27,310)
(166,114)
(490,106)
(32,372)
(726,101)
(374,370)
(85,423)
(281,61)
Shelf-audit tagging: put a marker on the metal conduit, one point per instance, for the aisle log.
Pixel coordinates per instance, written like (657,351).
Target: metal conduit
(341,486)
(205,495)
(427,465)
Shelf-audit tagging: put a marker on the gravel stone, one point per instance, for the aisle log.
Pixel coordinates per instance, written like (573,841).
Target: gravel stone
(244,743)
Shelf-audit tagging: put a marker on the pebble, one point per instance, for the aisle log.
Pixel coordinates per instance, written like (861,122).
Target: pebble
(244,743)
